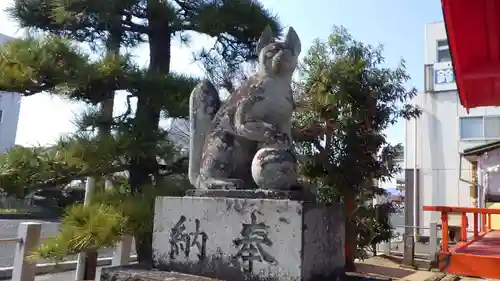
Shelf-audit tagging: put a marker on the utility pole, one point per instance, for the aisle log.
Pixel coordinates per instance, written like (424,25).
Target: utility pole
(87,261)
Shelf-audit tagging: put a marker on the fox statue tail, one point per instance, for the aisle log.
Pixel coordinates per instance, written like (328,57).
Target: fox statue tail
(204,102)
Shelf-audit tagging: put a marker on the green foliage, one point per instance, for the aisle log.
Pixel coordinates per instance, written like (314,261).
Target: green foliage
(13,211)
(236,24)
(84,228)
(25,169)
(87,20)
(347,100)
(21,167)
(132,142)
(171,91)
(51,62)
(30,65)
(109,216)
(373,226)
(137,209)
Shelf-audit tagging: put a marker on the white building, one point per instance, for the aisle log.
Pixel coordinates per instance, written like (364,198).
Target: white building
(443,131)
(10,104)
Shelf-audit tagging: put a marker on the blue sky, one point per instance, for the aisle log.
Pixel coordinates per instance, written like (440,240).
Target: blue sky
(397,24)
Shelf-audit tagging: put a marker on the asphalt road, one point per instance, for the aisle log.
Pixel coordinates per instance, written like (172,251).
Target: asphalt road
(8,229)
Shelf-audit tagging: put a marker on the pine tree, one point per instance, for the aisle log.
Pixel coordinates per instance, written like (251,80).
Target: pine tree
(347,100)
(52,62)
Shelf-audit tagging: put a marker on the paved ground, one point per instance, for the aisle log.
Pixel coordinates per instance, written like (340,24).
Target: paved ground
(63,276)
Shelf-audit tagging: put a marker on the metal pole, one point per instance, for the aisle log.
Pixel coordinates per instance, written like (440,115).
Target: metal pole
(415,193)
(479,191)
(89,190)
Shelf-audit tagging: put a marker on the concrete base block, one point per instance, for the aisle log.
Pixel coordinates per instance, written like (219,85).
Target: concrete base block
(249,239)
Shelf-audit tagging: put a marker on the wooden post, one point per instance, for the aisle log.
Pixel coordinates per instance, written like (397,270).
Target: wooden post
(350,240)
(483,222)
(90,265)
(121,256)
(444,229)
(489,222)
(476,224)
(24,269)
(463,228)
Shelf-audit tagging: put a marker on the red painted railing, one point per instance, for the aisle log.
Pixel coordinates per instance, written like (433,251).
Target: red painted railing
(479,230)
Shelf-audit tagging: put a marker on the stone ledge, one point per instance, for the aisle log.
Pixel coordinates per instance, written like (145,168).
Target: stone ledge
(296,195)
(145,273)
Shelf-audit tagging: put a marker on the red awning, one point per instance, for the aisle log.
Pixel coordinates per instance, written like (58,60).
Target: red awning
(473,28)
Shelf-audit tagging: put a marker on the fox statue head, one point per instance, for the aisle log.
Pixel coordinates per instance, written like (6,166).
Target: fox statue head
(278,59)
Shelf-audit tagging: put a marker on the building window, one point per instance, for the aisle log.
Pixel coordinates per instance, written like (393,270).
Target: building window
(492,128)
(1,116)
(480,128)
(471,127)
(443,51)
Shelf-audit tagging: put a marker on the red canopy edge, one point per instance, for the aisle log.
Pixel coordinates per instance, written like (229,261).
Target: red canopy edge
(473,28)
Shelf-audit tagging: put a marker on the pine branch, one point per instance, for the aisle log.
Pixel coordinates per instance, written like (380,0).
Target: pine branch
(82,20)
(31,66)
(77,176)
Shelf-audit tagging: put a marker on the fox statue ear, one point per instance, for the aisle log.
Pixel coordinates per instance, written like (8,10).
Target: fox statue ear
(292,41)
(265,39)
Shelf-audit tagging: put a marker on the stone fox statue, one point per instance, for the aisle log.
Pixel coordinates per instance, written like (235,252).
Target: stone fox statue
(224,137)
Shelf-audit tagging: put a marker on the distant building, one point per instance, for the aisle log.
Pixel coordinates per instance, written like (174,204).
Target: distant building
(399,179)
(10,105)
(443,132)
(395,187)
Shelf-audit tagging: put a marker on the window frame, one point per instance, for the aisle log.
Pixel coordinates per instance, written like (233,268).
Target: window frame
(442,48)
(482,138)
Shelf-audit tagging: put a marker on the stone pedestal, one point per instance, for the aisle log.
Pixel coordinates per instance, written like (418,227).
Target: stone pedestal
(245,237)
